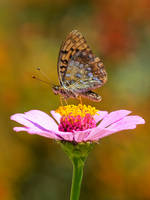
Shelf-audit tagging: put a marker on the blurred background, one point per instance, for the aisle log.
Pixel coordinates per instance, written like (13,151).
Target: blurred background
(31,32)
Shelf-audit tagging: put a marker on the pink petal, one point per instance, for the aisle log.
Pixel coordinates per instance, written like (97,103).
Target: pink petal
(97,133)
(42,119)
(103,133)
(20,118)
(68,136)
(100,115)
(128,122)
(113,117)
(33,131)
(56,116)
(79,136)
(36,122)
(35,119)
(18,129)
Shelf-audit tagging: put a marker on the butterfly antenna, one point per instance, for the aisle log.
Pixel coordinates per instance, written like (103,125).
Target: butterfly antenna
(44,74)
(35,77)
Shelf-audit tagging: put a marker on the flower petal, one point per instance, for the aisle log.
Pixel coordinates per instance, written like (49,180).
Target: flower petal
(20,118)
(33,131)
(65,136)
(98,133)
(56,116)
(113,117)
(100,115)
(18,129)
(35,118)
(128,122)
(42,119)
(79,136)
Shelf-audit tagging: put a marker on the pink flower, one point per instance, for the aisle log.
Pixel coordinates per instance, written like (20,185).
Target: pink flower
(81,124)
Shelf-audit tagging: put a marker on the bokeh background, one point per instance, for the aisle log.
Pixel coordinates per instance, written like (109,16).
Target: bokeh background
(31,32)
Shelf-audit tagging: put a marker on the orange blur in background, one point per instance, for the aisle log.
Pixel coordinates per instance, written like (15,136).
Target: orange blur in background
(31,32)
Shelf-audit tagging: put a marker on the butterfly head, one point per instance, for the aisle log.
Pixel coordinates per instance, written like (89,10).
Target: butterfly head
(56,89)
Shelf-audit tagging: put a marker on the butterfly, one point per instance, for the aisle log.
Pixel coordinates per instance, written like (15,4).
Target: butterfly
(79,70)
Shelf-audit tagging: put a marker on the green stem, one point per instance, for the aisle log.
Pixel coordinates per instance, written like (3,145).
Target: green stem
(78,165)
(77,152)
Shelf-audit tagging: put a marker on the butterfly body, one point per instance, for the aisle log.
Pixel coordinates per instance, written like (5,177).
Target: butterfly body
(64,92)
(79,70)
(70,94)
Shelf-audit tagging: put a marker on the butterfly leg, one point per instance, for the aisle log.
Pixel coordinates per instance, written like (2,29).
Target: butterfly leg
(66,101)
(80,98)
(61,102)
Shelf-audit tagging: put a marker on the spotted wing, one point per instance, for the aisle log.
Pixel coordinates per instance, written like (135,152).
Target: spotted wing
(78,68)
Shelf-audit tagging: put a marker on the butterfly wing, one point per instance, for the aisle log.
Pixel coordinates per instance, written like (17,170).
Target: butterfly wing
(79,69)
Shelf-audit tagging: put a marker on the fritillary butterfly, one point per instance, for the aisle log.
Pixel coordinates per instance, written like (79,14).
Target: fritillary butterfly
(79,70)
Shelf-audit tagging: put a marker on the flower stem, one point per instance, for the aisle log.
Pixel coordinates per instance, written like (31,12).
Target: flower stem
(76,178)
(78,154)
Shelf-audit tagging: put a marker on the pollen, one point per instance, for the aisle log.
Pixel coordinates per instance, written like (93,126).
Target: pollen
(76,118)
(74,110)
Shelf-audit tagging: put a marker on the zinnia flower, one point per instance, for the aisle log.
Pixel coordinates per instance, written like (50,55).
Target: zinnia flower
(77,128)
(76,123)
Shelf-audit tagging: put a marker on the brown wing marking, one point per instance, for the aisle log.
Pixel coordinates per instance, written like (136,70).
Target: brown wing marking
(99,70)
(73,43)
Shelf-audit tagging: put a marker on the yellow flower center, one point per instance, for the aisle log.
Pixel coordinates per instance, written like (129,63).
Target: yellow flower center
(76,118)
(79,110)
